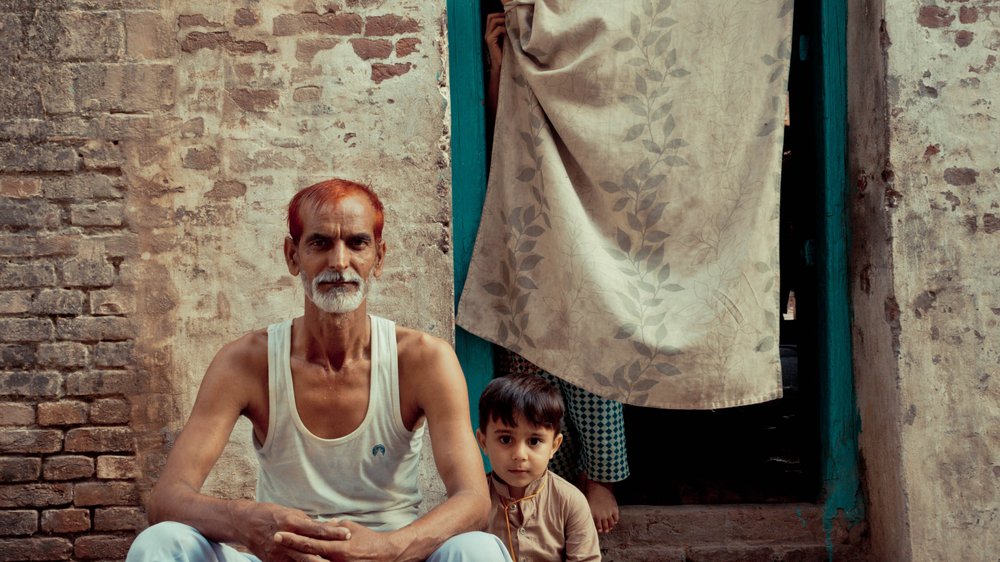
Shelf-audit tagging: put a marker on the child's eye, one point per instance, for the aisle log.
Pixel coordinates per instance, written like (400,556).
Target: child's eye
(504,439)
(534,441)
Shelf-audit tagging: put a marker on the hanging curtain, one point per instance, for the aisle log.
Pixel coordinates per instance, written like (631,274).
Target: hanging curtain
(629,238)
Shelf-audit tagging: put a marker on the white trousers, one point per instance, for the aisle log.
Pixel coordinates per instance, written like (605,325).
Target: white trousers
(177,542)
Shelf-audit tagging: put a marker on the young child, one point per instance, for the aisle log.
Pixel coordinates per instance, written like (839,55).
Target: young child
(540,516)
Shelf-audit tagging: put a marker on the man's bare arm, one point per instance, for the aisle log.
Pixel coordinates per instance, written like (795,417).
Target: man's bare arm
(225,393)
(444,399)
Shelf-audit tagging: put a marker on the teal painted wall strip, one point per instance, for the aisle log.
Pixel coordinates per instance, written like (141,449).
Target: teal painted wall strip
(468,175)
(839,421)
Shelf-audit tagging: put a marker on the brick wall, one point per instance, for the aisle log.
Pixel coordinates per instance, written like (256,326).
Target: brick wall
(146,151)
(67,452)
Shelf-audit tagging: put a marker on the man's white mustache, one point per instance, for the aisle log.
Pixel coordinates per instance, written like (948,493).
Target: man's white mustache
(347,276)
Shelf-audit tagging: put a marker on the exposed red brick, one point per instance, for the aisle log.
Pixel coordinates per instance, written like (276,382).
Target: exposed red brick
(306,49)
(244,17)
(201,158)
(110,410)
(16,302)
(195,20)
(224,189)
(197,40)
(68,467)
(35,495)
(371,48)
(94,329)
(67,412)
(932,149)
(19,469)
(991,223)
(24,329)
(100,383)
(246,47)
(968,14)
(960,176)
(330,23)
(36,549)
(113,354)
(382,72)
(62,354)
(934,17)
(116,468)
(307,94)
(119,519)
(112,302)
(30,440)
(101,546)
(33,385)
(105,493)
(964,38)
(99,439)
(34,246)
(390,24)
(18,522)
(65,520)
(254,100)
(18,187)
(406,46)
(13,413)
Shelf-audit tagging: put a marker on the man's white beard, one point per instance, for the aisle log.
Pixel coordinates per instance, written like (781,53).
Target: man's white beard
(336,300)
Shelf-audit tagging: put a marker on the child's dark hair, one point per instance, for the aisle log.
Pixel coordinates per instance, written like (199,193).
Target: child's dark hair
(528,396)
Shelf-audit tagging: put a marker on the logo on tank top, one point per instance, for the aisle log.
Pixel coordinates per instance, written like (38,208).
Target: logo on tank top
(380,448)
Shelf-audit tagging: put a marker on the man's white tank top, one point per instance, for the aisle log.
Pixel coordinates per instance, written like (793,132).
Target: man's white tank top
(368,476)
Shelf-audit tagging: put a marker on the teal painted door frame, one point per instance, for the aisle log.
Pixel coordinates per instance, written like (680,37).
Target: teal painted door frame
(468,175)
(838,419)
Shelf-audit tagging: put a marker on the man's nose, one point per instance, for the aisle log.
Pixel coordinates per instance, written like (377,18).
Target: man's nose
(339,258)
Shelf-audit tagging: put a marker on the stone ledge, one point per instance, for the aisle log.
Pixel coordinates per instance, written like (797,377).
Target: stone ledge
(718,532)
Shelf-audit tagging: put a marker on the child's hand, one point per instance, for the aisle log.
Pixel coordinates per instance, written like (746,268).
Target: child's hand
(496,29)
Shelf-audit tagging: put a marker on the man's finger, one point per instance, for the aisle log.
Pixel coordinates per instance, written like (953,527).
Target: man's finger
(330,530)
(303,557)
(307,545)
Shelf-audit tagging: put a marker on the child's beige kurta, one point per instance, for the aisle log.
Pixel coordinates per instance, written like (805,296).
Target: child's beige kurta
(552,526)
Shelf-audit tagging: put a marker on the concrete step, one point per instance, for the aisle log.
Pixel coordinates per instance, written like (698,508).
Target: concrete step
(713,533)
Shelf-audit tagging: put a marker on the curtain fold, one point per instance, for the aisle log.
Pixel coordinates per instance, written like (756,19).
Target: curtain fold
(629,238)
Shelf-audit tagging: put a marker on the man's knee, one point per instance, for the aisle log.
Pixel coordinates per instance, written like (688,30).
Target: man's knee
(474,546)
(169,540)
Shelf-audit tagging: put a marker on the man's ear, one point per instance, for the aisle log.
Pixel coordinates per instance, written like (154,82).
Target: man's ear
(380,249)
(291,256)
(556,443)
(481,438)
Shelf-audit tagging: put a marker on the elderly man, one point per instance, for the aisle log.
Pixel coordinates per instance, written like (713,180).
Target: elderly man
(339,402)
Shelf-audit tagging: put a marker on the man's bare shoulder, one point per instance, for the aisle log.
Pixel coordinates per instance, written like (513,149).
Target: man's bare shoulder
(244,356)
(415,347)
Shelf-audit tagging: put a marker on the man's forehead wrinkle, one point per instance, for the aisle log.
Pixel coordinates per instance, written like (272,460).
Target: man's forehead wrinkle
(353,215)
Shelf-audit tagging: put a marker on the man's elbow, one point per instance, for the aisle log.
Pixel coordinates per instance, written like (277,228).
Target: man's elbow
(480,513)
(156,507)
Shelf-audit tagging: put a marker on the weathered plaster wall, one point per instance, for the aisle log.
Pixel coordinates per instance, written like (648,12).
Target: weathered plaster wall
(147,151)
(927,371)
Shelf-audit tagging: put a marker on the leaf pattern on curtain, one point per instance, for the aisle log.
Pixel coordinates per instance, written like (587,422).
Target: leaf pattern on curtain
(629,236)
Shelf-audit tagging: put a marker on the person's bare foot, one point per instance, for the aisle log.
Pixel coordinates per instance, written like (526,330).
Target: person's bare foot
(603,505)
